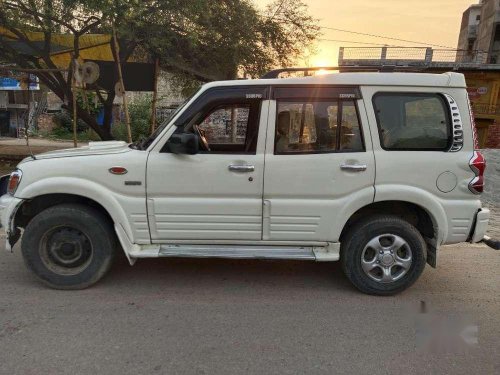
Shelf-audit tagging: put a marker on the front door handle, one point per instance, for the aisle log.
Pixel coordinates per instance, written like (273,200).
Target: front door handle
(353,167)
(241,168)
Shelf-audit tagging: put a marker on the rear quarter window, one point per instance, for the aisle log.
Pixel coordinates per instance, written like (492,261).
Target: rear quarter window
(413,121)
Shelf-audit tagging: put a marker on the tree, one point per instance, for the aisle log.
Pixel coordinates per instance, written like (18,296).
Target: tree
(197,40)
(231,38)
(53,17)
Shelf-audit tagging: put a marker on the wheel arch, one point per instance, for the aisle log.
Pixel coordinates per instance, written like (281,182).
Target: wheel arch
(29,208)
(33,206)
(78,188)
(420,217)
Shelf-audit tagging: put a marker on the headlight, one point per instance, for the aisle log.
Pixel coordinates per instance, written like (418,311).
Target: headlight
(14,180)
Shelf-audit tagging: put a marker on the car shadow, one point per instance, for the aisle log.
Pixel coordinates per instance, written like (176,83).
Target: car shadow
(218,273)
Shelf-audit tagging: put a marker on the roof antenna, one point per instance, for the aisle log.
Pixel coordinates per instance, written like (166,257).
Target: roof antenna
(26,123)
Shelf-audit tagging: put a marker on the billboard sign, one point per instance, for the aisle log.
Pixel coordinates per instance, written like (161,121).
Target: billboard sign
(16,84)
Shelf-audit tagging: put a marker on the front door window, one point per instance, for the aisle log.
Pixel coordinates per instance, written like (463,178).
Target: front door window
(228,128)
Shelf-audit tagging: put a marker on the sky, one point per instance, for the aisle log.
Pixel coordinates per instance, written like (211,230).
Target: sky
(426,21)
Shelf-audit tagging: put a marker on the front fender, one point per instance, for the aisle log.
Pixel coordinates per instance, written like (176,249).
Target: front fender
(77,186)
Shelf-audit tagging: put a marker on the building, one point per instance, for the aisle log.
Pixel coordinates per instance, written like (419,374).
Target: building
(18,104)
(480,32)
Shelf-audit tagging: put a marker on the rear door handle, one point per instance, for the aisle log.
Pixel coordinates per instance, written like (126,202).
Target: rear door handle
(353,167)
(241,168)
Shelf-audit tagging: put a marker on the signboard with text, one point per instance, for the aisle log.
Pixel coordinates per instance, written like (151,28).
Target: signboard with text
(7,83)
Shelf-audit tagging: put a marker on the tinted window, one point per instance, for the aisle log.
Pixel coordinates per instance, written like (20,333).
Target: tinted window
(226,125)
(412,121)
(231,128)
(350,133)
(313,127)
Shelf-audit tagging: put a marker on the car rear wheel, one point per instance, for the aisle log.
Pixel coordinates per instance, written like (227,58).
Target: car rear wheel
(69,246)
(383,255)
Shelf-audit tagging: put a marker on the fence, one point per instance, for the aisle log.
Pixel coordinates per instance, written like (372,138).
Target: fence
(408,56)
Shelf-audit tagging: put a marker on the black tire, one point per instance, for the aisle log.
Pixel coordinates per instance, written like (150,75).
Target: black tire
(376,227)
(69,246)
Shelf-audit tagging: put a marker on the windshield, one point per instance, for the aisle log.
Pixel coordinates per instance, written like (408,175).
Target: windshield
(145,143)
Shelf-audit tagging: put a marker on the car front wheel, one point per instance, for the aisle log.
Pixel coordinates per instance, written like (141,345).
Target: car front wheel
(69,246)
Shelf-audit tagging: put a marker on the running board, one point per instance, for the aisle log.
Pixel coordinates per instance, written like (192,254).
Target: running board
(237,252)
(327,253)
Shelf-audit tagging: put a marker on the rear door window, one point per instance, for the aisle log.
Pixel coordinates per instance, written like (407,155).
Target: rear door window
(305,127)
(412,121)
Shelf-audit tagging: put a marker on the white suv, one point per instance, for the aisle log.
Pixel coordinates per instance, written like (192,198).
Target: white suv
(376,170)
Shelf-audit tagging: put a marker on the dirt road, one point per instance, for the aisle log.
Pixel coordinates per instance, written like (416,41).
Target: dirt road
(253,317)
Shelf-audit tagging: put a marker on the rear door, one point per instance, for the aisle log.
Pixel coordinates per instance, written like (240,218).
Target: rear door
(423,144)
(319,161)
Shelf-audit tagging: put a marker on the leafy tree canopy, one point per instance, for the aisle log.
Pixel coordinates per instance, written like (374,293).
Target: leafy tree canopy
(197,40)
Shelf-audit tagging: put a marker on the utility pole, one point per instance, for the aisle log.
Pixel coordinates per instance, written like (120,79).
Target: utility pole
(120,77)
(73,95)
(155,95)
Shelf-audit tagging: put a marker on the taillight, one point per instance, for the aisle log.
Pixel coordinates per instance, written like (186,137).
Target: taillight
(14,180)
(478,164)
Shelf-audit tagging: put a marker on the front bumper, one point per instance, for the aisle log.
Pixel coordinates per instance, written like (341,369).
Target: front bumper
(481,225)
(8,209)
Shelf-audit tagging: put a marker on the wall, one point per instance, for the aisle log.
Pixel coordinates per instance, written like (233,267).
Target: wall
(45,123)
(484,93)
(491,196)
(168,93)
(493,140)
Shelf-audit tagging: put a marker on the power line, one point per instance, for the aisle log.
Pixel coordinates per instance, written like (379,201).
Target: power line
(384,37)
(376,36)
(356,42)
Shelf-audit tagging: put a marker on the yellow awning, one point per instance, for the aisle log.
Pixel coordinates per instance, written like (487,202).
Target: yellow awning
(91,46)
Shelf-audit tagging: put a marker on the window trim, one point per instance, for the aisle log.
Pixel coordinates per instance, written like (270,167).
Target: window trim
(339,102)
(220,96)
(315,92)
(447,111)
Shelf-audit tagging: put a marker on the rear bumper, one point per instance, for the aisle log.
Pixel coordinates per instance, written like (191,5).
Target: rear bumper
(494,244)
(480,225)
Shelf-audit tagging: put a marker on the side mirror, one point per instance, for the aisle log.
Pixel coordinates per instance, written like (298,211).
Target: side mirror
(184,143)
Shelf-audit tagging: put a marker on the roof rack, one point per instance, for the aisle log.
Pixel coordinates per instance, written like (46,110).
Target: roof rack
(359,68)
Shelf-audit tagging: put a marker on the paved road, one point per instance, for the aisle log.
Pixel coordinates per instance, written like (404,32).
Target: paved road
(188,316)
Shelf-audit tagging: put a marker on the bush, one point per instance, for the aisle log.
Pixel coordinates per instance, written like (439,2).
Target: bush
(63,134)
(140,121)
(64,120)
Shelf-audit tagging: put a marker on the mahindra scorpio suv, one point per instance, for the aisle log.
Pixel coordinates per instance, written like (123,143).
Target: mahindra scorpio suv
(377,170)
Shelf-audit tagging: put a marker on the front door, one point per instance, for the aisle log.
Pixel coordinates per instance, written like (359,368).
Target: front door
(217,193)
(320,164)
